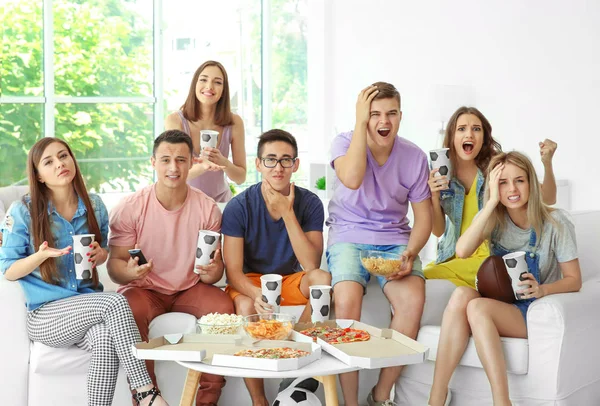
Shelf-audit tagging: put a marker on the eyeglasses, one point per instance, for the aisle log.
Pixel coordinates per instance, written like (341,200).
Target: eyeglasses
(272,162)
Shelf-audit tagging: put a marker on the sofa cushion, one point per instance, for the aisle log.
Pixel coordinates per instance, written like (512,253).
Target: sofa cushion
(172,323)
(72,360)
(9,194)
(59,361)
(516,350)
(437,295)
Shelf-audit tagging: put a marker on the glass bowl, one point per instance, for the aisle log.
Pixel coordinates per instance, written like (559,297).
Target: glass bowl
(232,328)
(380,263)
(215,323)
(271,326)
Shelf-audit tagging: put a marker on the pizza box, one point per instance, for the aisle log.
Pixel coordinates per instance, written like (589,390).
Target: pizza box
(218,349)
(385,348)
(171,347)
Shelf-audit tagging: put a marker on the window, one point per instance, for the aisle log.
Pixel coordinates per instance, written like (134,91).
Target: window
(102,76)
(233,39)
(89,83)
(184,44)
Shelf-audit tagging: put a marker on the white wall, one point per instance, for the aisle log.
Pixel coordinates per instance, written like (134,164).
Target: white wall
(532,67)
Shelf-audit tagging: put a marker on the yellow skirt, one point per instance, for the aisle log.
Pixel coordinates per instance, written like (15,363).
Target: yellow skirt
(461,272)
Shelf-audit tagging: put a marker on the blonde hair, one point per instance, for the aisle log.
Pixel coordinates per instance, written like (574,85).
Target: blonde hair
(537,211)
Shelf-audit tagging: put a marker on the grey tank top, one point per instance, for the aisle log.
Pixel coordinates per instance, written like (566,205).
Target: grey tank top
(214,184)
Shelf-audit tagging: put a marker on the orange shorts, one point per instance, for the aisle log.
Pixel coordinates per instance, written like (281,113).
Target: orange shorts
(290,288)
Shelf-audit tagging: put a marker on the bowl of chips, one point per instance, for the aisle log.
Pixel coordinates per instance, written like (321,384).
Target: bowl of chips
(269,326)
(217,323)
(380,263)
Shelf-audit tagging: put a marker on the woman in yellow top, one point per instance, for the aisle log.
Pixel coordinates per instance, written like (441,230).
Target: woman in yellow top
(457,199)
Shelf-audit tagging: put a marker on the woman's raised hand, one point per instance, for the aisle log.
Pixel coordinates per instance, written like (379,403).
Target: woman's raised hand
(49,252)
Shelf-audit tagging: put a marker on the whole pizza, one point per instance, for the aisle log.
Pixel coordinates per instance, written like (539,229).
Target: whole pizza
(337,335)
(272,353)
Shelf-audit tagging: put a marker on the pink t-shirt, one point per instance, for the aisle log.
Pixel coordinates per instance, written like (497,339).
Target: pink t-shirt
(169,238)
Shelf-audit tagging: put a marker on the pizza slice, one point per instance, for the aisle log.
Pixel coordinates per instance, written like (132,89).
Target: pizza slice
(324,332)
(350,335)
(272,353)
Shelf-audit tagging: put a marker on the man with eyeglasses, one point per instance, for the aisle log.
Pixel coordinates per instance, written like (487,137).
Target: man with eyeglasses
(273,227)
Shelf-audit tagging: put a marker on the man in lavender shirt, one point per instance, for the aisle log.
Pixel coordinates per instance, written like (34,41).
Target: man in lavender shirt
(378,174)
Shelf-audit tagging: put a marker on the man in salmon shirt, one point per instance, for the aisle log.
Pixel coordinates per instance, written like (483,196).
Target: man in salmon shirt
(163,220)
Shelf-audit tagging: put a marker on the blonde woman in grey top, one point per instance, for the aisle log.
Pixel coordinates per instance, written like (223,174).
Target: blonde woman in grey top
(513,218)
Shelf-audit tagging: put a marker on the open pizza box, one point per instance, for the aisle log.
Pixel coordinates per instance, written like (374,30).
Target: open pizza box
(385,348)
(217,349)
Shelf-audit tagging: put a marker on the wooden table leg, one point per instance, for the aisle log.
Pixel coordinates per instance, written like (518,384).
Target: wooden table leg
(329,384)
(190,388)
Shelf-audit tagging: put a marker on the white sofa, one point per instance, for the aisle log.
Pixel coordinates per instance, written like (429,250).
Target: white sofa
(562,367)
(559,364)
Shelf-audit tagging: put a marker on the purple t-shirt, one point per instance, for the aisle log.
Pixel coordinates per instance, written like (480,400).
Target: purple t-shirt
(375,213)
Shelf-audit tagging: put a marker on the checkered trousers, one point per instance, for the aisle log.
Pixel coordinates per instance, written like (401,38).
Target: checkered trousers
(101,323)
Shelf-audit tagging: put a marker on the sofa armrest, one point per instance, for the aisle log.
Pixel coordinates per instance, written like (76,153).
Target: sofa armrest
(563,332)
(14,344)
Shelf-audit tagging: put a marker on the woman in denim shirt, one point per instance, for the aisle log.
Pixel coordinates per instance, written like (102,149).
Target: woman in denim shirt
(64,310)
(513,218)
(456,200)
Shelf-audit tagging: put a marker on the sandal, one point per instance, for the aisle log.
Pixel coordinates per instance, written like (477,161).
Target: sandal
(142,395)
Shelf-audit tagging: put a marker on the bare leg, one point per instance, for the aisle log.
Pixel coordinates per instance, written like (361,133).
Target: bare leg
(407,297)
(348,303)
(490,319)
(454,337)
(245,306)
(310,278)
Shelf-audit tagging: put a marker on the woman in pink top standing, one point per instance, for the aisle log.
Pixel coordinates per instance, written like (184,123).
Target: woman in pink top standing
(207,107)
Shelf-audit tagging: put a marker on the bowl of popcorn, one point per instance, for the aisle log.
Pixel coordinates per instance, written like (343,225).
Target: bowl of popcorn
(380,263)
(269,326)
(217,323)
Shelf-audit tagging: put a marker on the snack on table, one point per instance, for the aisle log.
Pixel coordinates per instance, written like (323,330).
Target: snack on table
(325,332)
(269,329)
(272,353)
(337,335)
(217,323)
(382,266)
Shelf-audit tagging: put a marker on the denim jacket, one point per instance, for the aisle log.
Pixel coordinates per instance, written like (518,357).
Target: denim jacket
(452,201)
(19,243)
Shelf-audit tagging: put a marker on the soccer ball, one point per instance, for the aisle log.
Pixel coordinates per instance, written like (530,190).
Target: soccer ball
(299,394)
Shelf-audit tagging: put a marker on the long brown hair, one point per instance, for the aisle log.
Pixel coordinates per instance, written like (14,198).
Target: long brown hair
(40,197)
(489,148)
(537,211)
(191,107)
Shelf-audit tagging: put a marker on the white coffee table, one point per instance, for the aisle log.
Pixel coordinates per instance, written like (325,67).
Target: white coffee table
(323,370)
